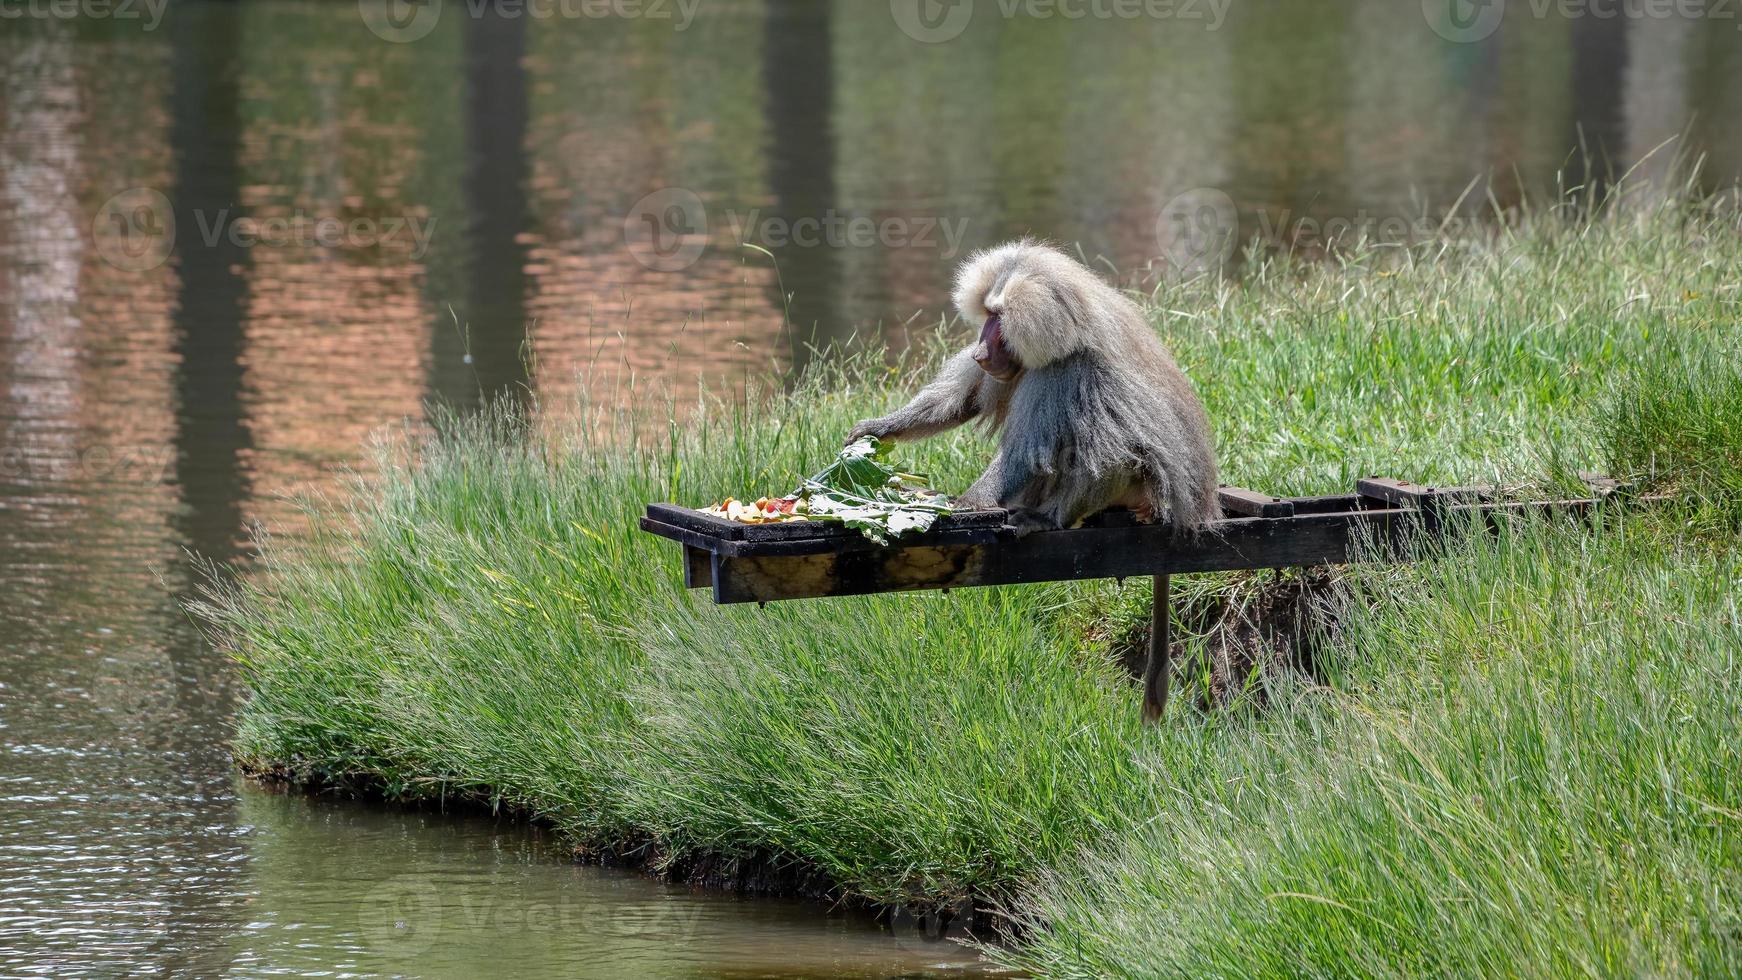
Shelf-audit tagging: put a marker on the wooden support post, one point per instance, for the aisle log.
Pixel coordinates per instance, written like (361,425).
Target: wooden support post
(1155,674)
(698,568)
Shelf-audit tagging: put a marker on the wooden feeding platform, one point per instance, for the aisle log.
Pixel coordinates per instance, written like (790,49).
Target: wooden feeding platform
(807,559)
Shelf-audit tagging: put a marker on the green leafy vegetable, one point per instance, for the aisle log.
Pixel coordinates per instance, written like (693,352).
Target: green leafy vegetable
(862,490)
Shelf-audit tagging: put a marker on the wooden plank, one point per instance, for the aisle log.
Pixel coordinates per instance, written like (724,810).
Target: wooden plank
(1338,503)
(1576,507)
(857,543)
(692,520)
(1241,502)
(683,536)
(1402,493)
(980,527)
(1047,556)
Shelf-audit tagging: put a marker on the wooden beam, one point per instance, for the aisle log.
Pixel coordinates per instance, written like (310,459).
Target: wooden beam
(1241,502)
(807,560)
(1402,493)
(1050,556)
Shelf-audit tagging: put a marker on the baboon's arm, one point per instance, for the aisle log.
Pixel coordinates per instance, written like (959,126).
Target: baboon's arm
(1029,495)
(1009,486)
(983,495)
(955,396)
(1050,490)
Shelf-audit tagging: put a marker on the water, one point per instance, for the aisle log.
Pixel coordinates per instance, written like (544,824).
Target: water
(236,240)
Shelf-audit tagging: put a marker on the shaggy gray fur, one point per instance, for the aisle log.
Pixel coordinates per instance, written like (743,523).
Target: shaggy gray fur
(1098,415)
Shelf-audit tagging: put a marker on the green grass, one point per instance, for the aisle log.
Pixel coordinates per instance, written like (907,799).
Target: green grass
(1673,422)
(1522,759)
(1532,766)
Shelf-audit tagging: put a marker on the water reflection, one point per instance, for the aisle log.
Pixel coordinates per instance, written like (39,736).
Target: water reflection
(234,247)
(496,214)
(798,76)
(211,295)
(348,887)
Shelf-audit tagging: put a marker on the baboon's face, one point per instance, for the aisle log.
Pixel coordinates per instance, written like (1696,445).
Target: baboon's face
(993,354)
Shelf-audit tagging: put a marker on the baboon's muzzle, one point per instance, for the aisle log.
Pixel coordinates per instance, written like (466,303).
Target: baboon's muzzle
(993,354)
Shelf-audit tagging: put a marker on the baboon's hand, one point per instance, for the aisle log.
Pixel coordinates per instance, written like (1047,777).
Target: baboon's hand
(881,428)
(1026,521)
(974,498)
